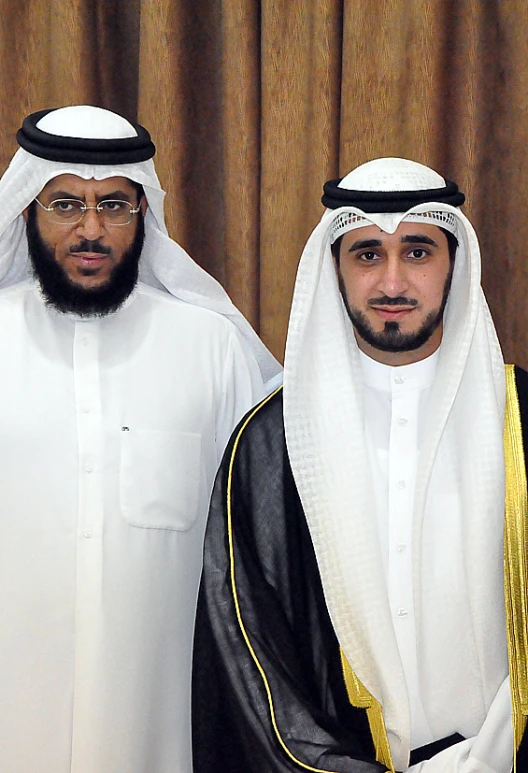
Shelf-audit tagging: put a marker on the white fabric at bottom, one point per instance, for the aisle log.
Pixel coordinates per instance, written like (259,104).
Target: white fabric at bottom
(490,752)
(111,432)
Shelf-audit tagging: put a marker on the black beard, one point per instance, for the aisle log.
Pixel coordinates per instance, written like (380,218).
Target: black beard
(391,339)
(67,296)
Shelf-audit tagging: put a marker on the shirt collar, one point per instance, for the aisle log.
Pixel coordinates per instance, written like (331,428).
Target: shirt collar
(417,375)
(77,317)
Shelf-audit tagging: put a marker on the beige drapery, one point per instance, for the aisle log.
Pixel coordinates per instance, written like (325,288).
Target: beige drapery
(254,104)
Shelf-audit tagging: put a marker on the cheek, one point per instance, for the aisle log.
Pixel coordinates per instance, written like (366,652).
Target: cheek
(53,239)
(358,287)
(121,242)
(433,287)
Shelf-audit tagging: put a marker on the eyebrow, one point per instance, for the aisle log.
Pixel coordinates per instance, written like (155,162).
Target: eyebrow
(113,195)
(418,239)
(364,244)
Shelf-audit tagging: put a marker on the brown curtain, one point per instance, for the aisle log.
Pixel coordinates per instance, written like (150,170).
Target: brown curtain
(254,104)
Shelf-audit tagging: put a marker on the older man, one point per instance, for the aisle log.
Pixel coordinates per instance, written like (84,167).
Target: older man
(352,614)
(118,397)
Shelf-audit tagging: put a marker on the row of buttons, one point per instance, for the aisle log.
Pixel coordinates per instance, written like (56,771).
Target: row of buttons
(401,612)
(87,408)
(402,421)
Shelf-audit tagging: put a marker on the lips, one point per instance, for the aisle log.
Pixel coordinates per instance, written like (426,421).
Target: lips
(88,259)
(394,313)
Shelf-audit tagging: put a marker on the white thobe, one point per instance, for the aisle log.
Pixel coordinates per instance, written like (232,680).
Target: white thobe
(396,401)
(112,429)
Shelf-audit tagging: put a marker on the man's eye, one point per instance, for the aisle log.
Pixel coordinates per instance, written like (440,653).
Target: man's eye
(113,206)
(66,206)
(418,253)
(367,256)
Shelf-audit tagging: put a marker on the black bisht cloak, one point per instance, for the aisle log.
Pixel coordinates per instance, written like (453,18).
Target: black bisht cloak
(268,689)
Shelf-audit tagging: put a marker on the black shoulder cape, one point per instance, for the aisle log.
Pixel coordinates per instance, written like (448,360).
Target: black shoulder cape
(268,689)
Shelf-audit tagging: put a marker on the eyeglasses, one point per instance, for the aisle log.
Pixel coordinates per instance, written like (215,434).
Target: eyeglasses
(72,211)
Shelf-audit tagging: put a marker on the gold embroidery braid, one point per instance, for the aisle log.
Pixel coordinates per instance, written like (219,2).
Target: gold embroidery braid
(236,602)
(515,558)
(359,696)
(516,585)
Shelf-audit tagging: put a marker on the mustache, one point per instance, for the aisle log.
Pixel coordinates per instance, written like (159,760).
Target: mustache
(384,300)
(89,245)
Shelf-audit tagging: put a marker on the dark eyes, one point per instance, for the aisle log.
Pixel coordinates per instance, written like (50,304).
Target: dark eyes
(64,206)
(418,253)
(114,206)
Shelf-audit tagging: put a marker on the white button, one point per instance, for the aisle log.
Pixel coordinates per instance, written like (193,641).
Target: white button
(403,421)
(401,548)
(401,483)
(88,467)
(85,341)
(86,408)
(402,612)
(87,534)
(398,379)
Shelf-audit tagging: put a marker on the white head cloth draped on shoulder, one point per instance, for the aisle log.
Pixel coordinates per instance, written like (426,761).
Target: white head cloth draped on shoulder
(327,449)
(91,142)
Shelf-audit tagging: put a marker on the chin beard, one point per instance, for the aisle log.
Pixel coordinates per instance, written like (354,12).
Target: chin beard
(67,296)
(391,339)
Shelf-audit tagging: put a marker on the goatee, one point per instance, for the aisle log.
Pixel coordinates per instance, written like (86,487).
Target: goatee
(391,339)
(67,296)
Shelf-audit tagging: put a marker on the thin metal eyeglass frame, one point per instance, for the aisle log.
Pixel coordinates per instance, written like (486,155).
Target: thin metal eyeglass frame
(84,209)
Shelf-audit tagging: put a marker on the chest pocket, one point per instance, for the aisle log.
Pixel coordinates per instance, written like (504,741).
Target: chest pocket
(160,478)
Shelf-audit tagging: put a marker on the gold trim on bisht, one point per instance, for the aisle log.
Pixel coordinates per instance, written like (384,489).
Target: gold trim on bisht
(359,696)
(234,588)
(515,589)
(515,558)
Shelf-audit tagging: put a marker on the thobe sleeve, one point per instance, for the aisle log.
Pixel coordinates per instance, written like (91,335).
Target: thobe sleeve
(491,751)
(268,691)
(242,388)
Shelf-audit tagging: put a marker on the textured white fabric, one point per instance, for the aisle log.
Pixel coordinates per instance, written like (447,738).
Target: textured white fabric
(489,753)
(324,423)
(109,447)
(396,405)
(348,221)
(164,264)
(392,174)
(87,122)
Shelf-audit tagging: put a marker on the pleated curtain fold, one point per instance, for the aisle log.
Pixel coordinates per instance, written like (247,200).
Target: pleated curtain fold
(254,104)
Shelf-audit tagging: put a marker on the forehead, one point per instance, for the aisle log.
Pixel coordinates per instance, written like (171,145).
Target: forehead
(80,188)
(369,232)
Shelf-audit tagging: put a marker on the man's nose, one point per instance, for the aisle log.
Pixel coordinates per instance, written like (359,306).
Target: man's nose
(90,226)
(394,280)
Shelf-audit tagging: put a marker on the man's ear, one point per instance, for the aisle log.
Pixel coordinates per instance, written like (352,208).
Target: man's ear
(143,205)
(25,213)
